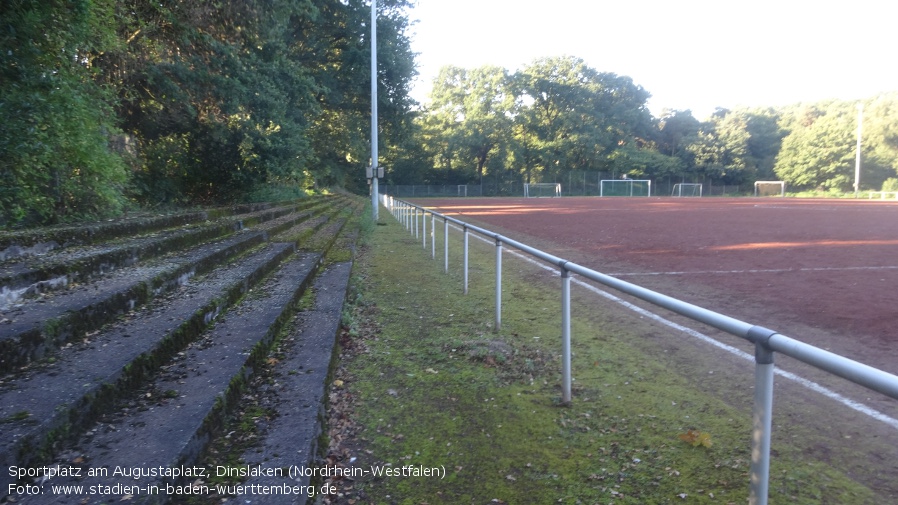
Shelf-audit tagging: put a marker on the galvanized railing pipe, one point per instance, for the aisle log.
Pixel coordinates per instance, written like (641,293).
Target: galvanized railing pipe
(767,342)
(467,233)
(446,246)
(762,426)
(566,335)
(498,284)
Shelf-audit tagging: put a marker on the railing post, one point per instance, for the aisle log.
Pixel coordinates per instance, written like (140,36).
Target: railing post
(416,223)
(424,231)
(466,260)
(433,236)
(565,335)
(762,416)
(498,284)
(446,245)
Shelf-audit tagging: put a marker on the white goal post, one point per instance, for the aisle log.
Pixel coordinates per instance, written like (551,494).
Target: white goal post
(681,189)
(625,187)
(770,188)
(539,189)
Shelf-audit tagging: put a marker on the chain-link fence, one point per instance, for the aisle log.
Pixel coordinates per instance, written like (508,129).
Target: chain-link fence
(573,183)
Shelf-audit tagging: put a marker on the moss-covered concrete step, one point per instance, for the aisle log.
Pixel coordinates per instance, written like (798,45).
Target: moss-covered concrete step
(297,392)
(27,277)
(40,241)
(32,331)
(326,233)
(170,422)
(49,404)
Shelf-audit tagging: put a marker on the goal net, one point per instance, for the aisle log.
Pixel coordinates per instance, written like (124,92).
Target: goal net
(538,189)
(686,189)
(625,187)
(770,188)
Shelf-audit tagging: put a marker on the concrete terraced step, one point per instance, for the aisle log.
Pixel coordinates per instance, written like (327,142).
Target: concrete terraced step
(27,277)
(54,401)
(298,393)
(42,240)
(160,376)
(29,331)
(196,390)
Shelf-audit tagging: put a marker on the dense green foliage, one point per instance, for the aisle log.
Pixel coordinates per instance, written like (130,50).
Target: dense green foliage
(56,119)
(110,103)
(558,116)
(820,150)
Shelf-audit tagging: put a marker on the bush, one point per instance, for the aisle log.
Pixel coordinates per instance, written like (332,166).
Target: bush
(890,184)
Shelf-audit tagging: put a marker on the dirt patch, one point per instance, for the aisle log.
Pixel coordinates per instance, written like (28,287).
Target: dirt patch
(824,264)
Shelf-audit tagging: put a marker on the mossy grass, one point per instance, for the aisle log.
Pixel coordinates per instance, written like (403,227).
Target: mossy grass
(439,387)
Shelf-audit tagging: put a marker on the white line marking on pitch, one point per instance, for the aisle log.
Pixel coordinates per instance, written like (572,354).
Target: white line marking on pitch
(753,271)
(813,386)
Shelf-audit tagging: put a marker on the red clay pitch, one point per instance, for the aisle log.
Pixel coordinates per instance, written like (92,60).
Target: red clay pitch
(821,271)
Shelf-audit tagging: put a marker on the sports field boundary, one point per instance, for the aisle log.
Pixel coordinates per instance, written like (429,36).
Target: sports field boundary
(767,342)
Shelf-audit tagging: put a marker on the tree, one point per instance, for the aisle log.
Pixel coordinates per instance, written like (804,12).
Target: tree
(56,163)
(206,101)
(765,137)
(576,117)
(820,154)
(470,117)
(231,98)
(674,128)
(880,140)
(720,148)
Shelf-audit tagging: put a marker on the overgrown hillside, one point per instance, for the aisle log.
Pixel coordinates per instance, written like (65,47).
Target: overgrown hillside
(111,104)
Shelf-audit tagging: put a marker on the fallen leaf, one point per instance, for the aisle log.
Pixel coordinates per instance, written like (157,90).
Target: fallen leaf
(696,438)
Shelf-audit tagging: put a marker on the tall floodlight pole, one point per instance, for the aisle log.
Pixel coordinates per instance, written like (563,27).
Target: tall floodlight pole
(857,156)
(374,168)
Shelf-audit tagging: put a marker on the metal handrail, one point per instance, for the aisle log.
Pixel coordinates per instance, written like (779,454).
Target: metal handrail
(767,342)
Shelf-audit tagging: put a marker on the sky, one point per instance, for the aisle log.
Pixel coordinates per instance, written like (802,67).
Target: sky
(689,54)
